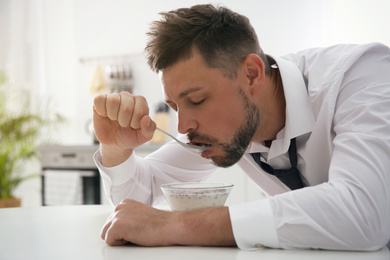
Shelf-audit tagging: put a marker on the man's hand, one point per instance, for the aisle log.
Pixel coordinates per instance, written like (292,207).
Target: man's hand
(137,223)
(121,123)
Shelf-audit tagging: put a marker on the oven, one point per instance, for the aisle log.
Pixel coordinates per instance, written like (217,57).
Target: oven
(69,175)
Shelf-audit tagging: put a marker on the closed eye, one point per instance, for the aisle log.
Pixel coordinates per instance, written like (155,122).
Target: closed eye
(198,102)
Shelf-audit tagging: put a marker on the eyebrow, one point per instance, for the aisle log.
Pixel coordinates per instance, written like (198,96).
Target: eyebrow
(184,94)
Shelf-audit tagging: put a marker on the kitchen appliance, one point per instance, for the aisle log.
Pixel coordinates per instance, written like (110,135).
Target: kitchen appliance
(69,175)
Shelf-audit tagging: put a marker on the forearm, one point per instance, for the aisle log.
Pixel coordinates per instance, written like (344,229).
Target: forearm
(210,227)
(135,222)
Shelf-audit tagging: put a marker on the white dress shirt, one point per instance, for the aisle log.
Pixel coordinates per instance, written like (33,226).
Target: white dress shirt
(338,108)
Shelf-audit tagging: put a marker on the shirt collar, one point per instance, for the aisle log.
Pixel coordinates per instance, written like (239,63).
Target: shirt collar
(299,115)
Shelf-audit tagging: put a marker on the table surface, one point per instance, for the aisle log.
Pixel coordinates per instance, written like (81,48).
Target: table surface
(73,232)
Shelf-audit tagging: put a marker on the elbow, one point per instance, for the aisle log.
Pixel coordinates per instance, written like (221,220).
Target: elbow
(374,242)
(374,231)
(370,238)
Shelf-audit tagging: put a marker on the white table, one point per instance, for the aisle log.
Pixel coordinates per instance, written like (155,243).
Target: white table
(73,232)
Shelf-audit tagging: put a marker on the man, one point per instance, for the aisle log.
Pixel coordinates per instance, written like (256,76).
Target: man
(323,114)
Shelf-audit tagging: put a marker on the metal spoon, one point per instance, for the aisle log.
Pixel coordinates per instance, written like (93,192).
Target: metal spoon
(192,147)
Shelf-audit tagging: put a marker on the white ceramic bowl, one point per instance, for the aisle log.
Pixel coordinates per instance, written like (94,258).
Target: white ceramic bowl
(194,195)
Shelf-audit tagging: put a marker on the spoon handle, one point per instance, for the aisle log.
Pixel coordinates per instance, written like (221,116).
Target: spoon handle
(168,134)
(188,146)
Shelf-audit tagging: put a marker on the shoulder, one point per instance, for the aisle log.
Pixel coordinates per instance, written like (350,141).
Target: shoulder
(325,66)
(336,53)
(341,58)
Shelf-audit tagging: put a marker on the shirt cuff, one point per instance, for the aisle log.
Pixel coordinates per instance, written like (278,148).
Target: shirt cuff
(253,225)
(118,174)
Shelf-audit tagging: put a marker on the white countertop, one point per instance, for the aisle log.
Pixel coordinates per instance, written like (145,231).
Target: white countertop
(73,232)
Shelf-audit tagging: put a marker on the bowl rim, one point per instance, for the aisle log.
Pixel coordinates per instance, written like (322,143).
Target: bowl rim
(208,185)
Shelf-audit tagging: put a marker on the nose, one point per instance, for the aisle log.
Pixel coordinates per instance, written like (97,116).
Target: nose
(186,123)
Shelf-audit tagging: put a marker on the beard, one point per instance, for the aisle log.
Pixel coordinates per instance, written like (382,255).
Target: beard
(235,149)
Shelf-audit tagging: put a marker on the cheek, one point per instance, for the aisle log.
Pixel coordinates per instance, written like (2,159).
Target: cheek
(224,120)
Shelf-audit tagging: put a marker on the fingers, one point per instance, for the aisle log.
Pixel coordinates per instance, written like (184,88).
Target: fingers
(105,228)
(112,231)
(140,110)
(107,225)
(111,235)
(148,126)
(126,109)
(113,102)
(99,105)
(137,223)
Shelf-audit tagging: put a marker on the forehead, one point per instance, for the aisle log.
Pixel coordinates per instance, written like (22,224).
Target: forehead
(185,70)
(188,75)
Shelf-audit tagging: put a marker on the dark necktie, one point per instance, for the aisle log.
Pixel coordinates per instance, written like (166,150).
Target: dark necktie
(290,177)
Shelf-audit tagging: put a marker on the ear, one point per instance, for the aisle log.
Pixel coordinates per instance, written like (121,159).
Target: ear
(253,69)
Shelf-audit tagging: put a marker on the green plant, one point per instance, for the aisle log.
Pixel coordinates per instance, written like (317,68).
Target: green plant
(20,132)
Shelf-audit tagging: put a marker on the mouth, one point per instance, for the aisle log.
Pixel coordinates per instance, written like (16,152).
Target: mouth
(205,145)
(206,148)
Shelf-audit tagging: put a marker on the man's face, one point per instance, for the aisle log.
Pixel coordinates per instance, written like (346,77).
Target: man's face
(211,109)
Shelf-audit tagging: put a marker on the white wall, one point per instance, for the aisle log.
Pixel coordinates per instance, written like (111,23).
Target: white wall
(59,33)
(67,31)
(100,28)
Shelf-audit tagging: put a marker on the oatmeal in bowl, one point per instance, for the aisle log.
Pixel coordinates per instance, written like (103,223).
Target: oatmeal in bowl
(194,195)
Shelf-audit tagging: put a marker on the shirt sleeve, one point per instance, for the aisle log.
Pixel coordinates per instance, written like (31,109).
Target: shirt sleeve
(140,178)
(116,179)
(253,225)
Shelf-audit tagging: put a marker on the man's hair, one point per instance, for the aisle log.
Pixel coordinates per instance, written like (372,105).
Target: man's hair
(223,38)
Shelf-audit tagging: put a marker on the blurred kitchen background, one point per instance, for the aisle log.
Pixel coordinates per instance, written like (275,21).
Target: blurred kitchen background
(65,52)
